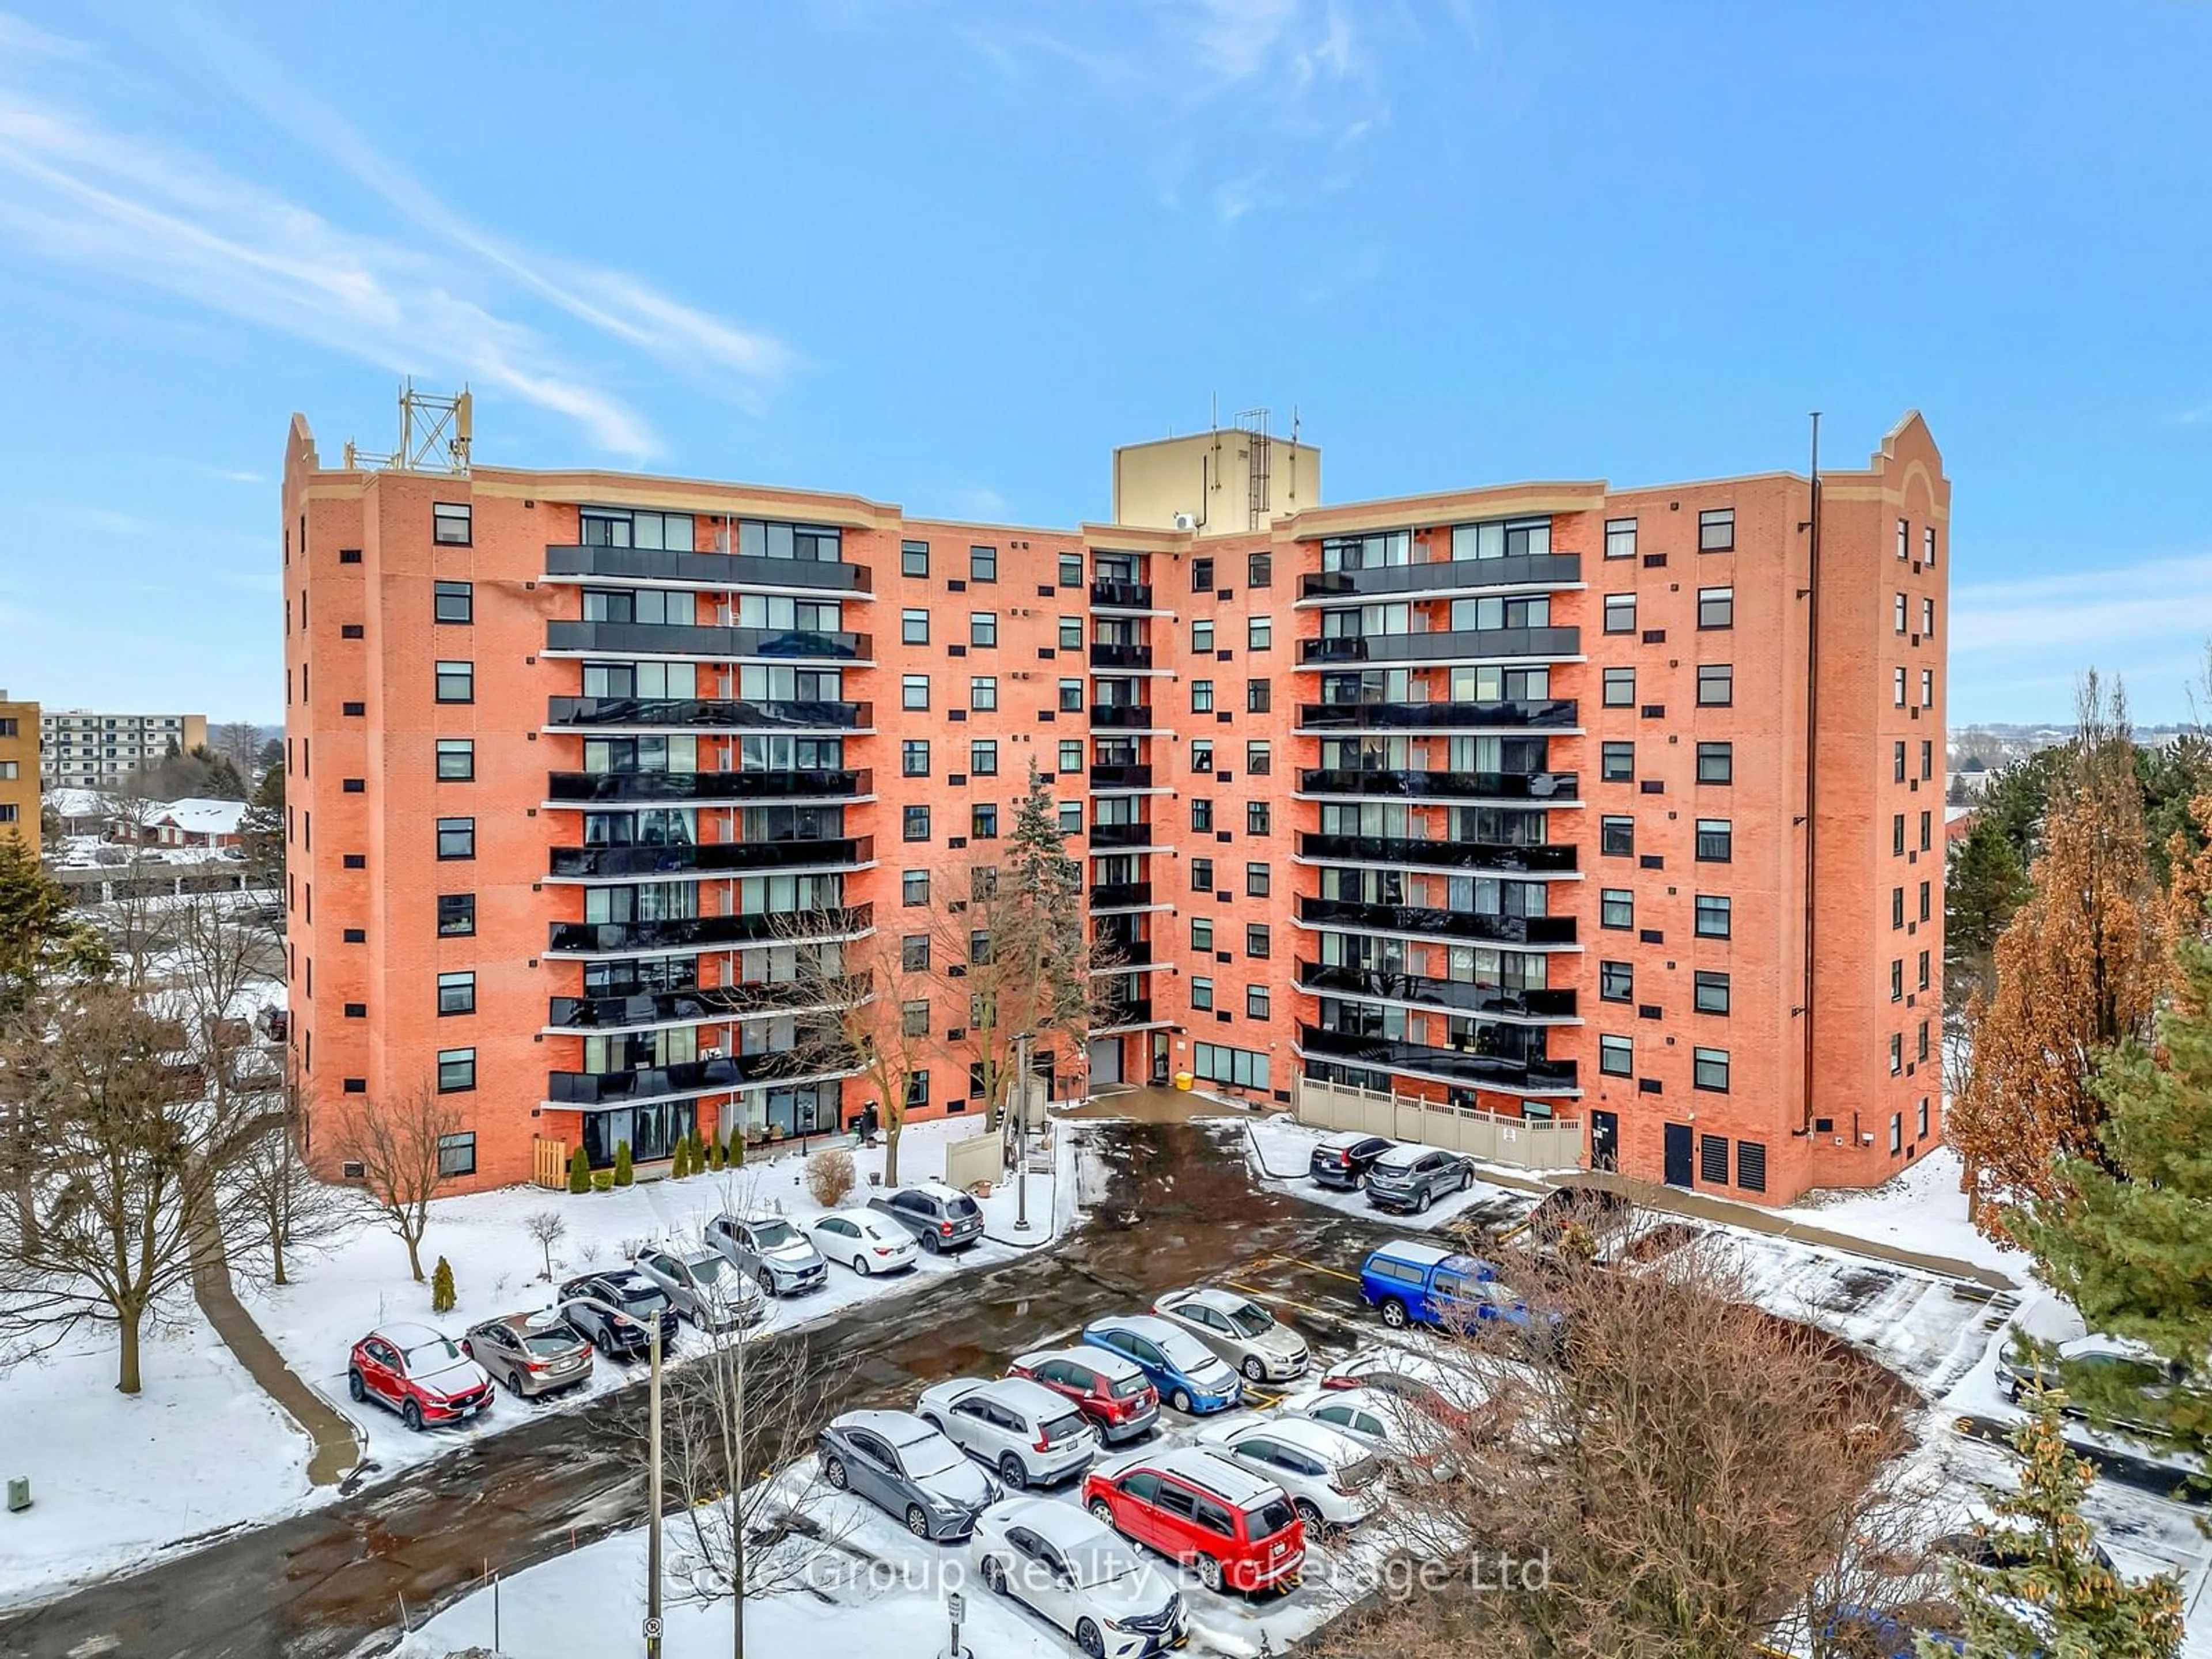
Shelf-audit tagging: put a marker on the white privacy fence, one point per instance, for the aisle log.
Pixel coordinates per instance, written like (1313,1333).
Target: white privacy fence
(1527,1143)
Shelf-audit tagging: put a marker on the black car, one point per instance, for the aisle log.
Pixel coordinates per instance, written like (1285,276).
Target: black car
(940,1218)
(1343,1161)
(628,1332)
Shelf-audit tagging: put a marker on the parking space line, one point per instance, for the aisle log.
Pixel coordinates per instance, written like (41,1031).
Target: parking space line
(1333,1315)
(1316,1266)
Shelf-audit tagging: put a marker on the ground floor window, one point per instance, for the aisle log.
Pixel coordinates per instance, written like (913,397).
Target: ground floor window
(1241,1068)
(651,1131)
(457,1155)
(787,1113)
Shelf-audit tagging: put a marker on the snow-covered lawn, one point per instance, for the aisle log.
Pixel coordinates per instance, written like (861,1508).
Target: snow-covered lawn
(1921,1209)
(1279,1151)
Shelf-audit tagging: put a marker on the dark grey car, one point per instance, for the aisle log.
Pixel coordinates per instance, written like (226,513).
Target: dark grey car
(1414,1177)
(625,1334)
(705,1287)
(940,1218)
(907,1470)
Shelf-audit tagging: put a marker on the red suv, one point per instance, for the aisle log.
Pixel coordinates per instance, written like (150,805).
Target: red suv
(1227,1524)
(1109,1391)
(420,1373)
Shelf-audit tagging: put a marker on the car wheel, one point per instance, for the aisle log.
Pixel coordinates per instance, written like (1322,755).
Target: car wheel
(514,1382)
(1102,1512)
(994,1575)
(859,1264)
(604,1341)
(1466,1179)
(1254,1372)
(929,1244)
(1013,1472)
(1181,1400)
(411,1415)
(1427,1198)
(1208,1570)
(834,1472)
(916,1522)
(359,1389)
(1088,1638)
(1309,1513)
(1393,1313)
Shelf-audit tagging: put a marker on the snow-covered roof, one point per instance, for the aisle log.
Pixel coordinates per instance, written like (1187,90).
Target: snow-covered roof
(198,817)
(1952,814)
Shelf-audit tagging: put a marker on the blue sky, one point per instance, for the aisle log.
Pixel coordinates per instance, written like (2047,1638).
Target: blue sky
(949,255)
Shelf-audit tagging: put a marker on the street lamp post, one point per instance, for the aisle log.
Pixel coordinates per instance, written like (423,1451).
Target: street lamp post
(1021,1134)
(652,1621)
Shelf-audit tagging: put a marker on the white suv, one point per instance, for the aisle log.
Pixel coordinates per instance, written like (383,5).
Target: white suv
(1332,1478)
(1022,1430)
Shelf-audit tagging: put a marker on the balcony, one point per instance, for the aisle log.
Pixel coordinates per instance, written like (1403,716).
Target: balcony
(704,570)
(709,714)
(1446,575)
(1123,716)
(690,639)
(1548,788)
(1122,1016)
(1124,775)
(722,857)
(1453,1066)
(1121,596)
(1435,716)
(1120,835)
(1121,954)
(703,1004)
(691,1076)
(1454,996)
(1437,855)
(1425,922)
(1447,645)
(1120,895)
(798,785)
(704,932)
(1121,656)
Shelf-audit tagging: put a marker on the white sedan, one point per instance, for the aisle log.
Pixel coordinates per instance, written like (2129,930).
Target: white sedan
(1079,1575)
(865,1242)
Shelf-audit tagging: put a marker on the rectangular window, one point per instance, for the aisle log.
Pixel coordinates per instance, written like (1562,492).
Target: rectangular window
(1710,993)
(1927,760)
(1201,816)
(457,1154)
(1620,538)
(1616,982)
(913,888)
(1897,1054)
(1201,575)
(1715,841)
(1259,571)
(1896,1133)
(913,1018)
(913,757)
(1616,908)
(913,953)
(1071,755)
(452,602)
(1071,818)
(449,524)
(1709,1069)
(1070,570)
(1927,619)
(1896,612)
(1904,540)
(1259,757)
(1896,686)
(1240,1068)
(457,838)
(1896,908)
(914,558)
(457,760)
(1716,685)
(1924,970)
(1202,994)
(1897,979)
(1617,837)
(1202,755)
(1258,880)
(1260,634)
(1927,687)
(983,692)
(457,681)
(1256,817)
(1259,696)
(914,691)
(1071,633)
(1201,637)
(1201,934)
(1896,760)
(457,1070)
(1071,697)
(1620,688)
(1716,607)
(983,627)
(1202,875)
(457,914)
(1716,529)
(457,994)
(1922,1131)
(1201,696)
(1617,763)
(1927,546)
(983,821)
(914,627)
(1616,1056)
(982,564)
(1924,901)
(1620,613)
(1715,762)
(983,757)
(1255,1002)
(913,823)
(1713,916)
(1255,939)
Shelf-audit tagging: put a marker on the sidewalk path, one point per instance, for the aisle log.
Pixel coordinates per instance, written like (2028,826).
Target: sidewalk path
(337,1447)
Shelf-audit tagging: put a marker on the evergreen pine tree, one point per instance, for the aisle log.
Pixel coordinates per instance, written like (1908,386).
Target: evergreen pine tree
(624,1174)
(443,1297)
(40,939)
(579,1171)
(717,1154)
(737,1148)
(1986,883)
(679,1166)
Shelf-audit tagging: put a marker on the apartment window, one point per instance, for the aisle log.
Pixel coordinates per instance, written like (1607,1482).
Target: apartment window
(1898,610)
(1924,901)
(1202,875)
(983,757)
(1258,880)
(449,524)
(1616,1056)
(982,564)
(913,757)
(983,627)
(1201,934)
(1260,631)
(1256,1002)
(1927,619)
(1715,762)
(914,691)
(1071,818)
(1071,697)
(1897,835)
(457,914)
(1897,979)
(1202,817)
(1071,633)
(1716,529)
(457,994)
(1201,575)
(1715,841)
(1616,908)
(457,681)
(1259,570)
(1896,760)
(1896,1133)
(1927,687)
(1709,1069)
(1897,1054)
(1922,1129)
(914,627)
(913,888)
(1202,636)
(1202,754)
(1924,970)
(983,693)
(914,558)
(914,823)
(1255,939)
(1259,757)
(1927,759)
(1070,570)
(1896,686)
(1904,540)
(1071,755)
(1716,684)
(457,760)
(1617,763)
(1201,696)
(1716,607)
(1202,994)
(1255,818)
(983,821)
(1620,538)
(913,953)
(1259,696)
(1713,916)
(450,602)
(1616,982)
(1620,613)
(457,1070)
(1927,546)
(1620,688)
(457,1154)
(1617,837)
(1710,993)
(457,838)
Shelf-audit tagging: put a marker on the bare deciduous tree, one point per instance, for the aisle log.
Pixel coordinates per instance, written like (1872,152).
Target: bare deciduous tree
(547,1228)
(397,1144)
(863,1004)
(239,742)
(285,1207)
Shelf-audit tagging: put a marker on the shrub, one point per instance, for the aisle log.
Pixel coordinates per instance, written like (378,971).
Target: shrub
(830,1176)
(624,1174)
(698,1153)
(441,1287)
(737,1149)
(680,1165)
(602,1181)
(717,1154)
(579,1171)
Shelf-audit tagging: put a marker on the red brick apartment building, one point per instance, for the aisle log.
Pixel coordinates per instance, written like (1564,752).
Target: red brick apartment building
(1546,798)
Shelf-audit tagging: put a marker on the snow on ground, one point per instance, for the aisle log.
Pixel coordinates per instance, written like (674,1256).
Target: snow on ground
(1279,1151)
(115,1480)
(1921,1209)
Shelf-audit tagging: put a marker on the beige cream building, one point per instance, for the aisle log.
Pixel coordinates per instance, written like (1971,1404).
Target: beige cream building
(85,750)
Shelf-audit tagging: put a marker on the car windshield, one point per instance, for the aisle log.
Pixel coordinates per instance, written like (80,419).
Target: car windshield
(1271,1517)
(1124,1387)
(1187,1354)
(774,1234)
(1058,1428)
(641,1298)
(961,1206)
(1250,1320)
(549,1343)
(706,1268)
(1101,1564)
(931,1454)
(429,1355)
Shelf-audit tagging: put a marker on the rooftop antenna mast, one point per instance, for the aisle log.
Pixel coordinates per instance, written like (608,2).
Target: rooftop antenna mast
(433,435)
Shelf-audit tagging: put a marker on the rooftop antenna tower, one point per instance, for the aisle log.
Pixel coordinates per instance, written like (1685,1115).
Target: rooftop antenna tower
(433,435)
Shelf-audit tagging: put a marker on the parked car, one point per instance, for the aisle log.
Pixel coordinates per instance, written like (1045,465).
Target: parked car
(1189,1376)
(1240,1330)
(772,1250)
(1447,1393)
(1332,1480)
(637,1302)
(906,1470)
(1235,1529)
(705,1287)
(865,1242)
(1021,1429)
(1409,1281)
(2115,1361)
(1408,1177)
(419,1372)
(1111,1391)
(1342,1160)
(940,1219)
(1077,1574)
(529,1353)
(1407,1439)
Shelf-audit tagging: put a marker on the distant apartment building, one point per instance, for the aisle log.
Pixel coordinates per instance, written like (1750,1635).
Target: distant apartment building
(85,749)
(1546,799)
(19,770)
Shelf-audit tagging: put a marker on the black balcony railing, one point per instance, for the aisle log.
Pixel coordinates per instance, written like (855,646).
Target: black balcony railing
(710,714)
(1120,895)
(1520,571)
(691,1076)
(705,570)
(1433,716)
(1458,1065)
(1120,835)
(1123,716)
(1456,995)
(1112,953)
(703,1004)
(1417,919)
(1121,656)
(731,857)
(706,932)
(1437,855)
(1555,788)
(690,639)
(1114,1016)
(843,781)
(1121,776)
(1451,645)
(1121,596)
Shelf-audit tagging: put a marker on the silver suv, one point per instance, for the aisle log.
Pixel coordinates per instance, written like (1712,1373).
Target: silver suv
(1021,1430)
(1408,1177)
(772,1250)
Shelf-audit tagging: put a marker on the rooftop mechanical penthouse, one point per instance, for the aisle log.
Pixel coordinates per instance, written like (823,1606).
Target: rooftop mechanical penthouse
(1550,799)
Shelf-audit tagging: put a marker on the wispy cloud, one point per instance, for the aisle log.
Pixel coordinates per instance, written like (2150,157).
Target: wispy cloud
(2147,604)
(2195,416)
